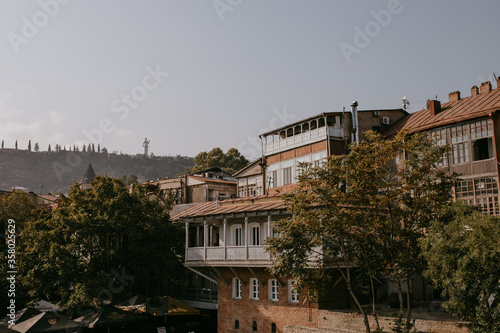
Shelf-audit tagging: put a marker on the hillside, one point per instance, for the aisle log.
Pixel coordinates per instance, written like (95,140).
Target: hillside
(55,171)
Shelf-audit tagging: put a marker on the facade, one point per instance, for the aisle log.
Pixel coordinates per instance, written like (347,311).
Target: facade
(206,185)
(471,127)
(225,240)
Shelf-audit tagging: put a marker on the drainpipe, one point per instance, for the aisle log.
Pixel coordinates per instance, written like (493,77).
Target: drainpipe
(355,125)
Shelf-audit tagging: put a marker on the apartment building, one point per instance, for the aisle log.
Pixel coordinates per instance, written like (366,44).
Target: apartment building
(470,126)
(227,238)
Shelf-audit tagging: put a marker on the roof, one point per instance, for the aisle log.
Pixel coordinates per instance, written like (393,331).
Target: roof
(211,169)
(89,175)
(248,166)
(324,114)
(213,180)
(231,206)
(467,108)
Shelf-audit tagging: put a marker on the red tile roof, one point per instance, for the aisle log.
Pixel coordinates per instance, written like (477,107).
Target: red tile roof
(452,112)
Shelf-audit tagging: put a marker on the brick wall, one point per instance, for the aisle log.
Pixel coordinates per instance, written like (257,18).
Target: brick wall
(263,311)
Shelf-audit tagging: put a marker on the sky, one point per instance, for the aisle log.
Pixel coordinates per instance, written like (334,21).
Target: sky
(193,75)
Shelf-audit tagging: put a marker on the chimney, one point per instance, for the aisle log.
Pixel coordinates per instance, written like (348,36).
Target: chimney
(474,91)
(454,96)
(485,87)
(498,83)
(434,107)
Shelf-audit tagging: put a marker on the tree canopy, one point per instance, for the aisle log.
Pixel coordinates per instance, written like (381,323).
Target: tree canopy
(231,161)
(364,210)
(101,243)
(462,249)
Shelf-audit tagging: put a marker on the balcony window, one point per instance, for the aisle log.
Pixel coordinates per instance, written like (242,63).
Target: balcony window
(460,153)
(254,233)
(237,235)
(314,124)
(272,179)
(287,175)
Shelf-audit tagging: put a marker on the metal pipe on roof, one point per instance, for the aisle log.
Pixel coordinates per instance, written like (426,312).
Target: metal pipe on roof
(355,127)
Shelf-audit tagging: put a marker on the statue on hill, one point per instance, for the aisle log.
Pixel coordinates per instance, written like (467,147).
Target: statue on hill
(146,147)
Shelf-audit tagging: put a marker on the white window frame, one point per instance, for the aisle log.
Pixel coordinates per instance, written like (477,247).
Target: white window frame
(273,290)
(254,229)
(293,294)
(236,288)
(237,237)
(254,289)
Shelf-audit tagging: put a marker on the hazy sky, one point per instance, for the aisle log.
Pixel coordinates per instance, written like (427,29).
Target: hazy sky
(193,75)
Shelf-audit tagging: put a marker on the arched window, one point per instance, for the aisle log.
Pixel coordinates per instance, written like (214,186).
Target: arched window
(237,324)
(273,328)
(254,326)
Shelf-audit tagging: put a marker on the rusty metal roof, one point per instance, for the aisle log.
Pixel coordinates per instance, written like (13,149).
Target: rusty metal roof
(467,108)
(227,207)
(213,180)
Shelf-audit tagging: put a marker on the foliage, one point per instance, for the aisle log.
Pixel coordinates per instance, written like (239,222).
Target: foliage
(130,180)
(231,161)
(96,240)
(462,249)
(19,207)
(362,210)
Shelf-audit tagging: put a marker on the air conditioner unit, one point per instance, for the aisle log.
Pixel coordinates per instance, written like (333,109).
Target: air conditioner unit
(385,120)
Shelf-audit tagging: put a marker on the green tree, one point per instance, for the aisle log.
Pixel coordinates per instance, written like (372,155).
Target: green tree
(37,147)
(19,207)
(362,212)
(231,161)
(462,249)
(96,236)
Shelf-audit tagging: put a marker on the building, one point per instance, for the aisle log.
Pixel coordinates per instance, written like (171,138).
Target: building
(211,184)
(471,127)
(225,240)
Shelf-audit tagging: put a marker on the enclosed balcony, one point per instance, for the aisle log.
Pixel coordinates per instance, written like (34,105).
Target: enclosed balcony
(228,241)
(300,134)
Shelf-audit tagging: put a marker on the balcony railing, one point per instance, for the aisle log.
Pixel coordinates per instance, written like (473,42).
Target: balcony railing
(251,252)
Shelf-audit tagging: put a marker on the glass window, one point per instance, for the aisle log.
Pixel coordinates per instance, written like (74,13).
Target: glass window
(254,289)
(272,179)
(273,290)
(293,294)
(238,233)
(464,188)
(460,153)
(236,288)
(486,186)
(481,129)
(254,234)
(287,175)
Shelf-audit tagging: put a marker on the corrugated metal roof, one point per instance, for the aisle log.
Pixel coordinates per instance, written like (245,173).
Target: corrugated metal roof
(213,180)
(452,112)
(214,208)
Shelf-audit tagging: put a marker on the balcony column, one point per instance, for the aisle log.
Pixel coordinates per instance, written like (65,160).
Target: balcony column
(246,237)
(205,239)
(224,237)
(269,227)
(187,240)
(197,236)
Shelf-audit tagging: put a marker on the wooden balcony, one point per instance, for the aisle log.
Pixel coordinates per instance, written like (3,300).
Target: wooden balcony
(233,253)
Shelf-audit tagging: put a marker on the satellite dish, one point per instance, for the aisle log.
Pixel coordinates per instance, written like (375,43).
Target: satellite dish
(428,104)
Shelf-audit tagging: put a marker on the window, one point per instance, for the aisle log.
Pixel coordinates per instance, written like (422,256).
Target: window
(293,294)
(464,188)
(481,129)
(460,143)
(236,288)
(237,234)
(439,136)
(254,326)
(254,289)
(237,324)
(273,290)
(287,175)
(486,186)
(272,179)
(254,234)
(483,149)
(273,328)
(460,153)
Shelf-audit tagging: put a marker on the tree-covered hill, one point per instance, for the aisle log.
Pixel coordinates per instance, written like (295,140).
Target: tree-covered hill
(55,171)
